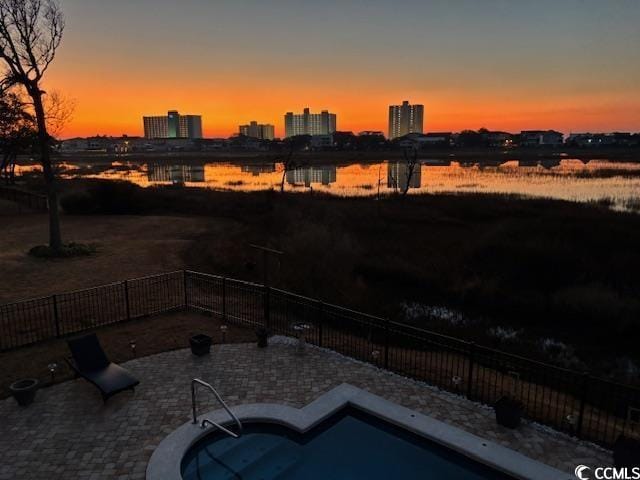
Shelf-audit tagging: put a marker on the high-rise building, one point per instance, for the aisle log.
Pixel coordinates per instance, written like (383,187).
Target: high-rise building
(156,127)
(173,125)
(323,123)
(190,126)
(405,119)
(257,130)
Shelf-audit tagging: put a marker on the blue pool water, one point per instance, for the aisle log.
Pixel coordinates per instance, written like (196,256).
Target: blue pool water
(351,445)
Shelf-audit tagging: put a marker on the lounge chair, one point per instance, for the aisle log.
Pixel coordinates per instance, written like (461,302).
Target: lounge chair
(90,362)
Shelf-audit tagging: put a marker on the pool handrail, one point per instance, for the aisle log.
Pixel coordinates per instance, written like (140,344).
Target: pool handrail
(203,424)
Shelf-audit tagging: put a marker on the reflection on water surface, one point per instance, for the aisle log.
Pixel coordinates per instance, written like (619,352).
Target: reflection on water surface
(594,180)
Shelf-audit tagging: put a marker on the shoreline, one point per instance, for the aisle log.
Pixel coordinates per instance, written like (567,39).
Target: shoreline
(621,155)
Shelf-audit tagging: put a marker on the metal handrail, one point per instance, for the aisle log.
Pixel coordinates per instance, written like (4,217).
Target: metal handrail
(203,424)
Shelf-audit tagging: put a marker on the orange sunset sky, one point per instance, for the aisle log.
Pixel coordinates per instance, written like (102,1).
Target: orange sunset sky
(497,64)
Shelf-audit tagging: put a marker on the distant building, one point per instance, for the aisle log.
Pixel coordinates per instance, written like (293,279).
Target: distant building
(422,140)
(306,123)
(257,130)
(122,144)
(599,139)
(246,143)
(438,138)
(371,133)
(321,141)
(173,125)
(405,119)
(539,138)
(497,139)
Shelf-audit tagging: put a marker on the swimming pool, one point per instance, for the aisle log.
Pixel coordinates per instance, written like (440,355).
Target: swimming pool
(345,433)
(350,445)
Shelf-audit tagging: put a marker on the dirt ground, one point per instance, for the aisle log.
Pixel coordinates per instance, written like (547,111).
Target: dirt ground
(127,247)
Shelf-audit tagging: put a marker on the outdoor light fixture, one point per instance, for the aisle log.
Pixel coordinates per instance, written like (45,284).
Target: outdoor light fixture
(301,328)
(375,354)
(223,329)
(456,380)
(132,344)
(571,420)
(53,367)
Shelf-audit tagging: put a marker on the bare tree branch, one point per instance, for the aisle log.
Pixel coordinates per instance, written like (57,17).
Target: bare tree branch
(30,34)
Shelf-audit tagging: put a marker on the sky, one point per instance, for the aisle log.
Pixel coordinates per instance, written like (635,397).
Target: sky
(571,65)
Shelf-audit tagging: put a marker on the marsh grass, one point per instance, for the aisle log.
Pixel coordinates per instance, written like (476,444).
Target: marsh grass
(551,268)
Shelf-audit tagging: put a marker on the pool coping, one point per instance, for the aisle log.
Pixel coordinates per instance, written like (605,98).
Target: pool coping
(165,462)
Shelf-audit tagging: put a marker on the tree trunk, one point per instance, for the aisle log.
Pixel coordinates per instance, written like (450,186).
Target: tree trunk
(55,237)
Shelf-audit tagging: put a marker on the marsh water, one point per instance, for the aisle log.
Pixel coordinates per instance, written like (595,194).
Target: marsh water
(617,184)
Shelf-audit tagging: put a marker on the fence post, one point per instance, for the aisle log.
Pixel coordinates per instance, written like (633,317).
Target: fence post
(472,361)
(224,299)
(126,299)
(184,287)
(320,321)
(56,317)
(386,344)
(265,301)
(583,401)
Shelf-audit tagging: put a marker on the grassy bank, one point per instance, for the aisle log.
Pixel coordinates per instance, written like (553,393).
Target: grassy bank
(551,279)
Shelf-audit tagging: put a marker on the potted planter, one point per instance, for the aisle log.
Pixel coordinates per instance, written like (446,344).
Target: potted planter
(626,452)
(200,344)
(508,411)
(24,391)
(262,334)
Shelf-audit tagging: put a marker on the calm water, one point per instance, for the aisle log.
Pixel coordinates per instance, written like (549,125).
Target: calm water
(349,447)
(568,179)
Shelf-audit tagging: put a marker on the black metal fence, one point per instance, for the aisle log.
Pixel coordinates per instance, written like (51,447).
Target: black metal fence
(32,321)
(29,199)
(573,402)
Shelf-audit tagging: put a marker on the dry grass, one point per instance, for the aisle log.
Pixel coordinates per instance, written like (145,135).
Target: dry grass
(128,247)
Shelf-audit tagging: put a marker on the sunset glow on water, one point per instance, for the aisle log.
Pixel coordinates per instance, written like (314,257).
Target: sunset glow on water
(567,179)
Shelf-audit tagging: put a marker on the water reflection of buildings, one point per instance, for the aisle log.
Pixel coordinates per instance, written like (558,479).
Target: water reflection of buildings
(176,173)
(398,176)
(257,169)
(325,175)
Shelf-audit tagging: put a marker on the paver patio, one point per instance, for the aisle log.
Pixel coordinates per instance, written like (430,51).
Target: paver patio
(69,434)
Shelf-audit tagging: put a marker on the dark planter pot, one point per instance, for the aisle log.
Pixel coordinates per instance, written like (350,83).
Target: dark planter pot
(24,391)
(626,452)
(263,337)
(200,344)
(508,412)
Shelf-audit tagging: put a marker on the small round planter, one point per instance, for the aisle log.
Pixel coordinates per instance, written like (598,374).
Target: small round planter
(24,391)
(200,344)
(508,412)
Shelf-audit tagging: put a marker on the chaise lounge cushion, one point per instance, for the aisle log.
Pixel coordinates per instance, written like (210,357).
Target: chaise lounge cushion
(87,353)
(91,363)
(111,380)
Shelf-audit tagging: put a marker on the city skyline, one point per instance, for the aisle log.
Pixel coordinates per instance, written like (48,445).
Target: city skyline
(496,65)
